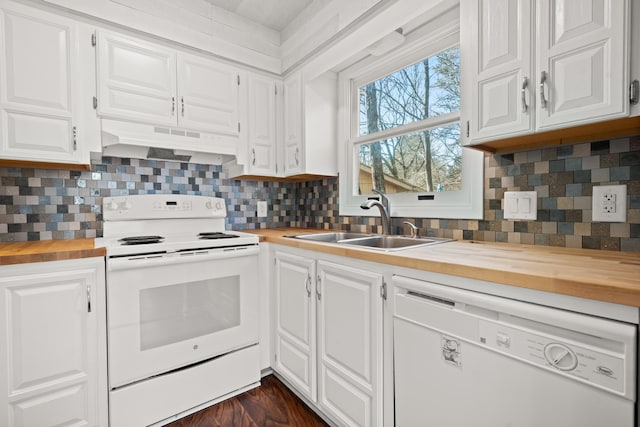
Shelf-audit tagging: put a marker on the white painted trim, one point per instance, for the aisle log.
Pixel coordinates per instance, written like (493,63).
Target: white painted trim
(428,123)
(235,46)
(464,204)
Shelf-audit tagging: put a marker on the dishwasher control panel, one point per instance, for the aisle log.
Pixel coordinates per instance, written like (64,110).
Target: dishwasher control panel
(605,370)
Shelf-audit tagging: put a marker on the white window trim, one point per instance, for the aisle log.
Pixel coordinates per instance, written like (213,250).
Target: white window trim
(464,204)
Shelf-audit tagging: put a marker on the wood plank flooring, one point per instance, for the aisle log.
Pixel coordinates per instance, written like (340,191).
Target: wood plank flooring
(272,404)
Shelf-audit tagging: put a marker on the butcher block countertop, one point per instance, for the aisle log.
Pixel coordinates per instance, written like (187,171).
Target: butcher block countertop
(48,250)
(587,273)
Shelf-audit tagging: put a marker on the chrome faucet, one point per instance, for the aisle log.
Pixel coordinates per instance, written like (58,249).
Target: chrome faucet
(383,199)
(415,231)
(383,206)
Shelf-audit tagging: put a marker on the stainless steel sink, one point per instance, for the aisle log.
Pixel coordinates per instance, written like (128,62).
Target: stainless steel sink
(334,237)
(393,243)
(371,241)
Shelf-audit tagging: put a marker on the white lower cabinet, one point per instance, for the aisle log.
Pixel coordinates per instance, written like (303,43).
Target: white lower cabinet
(53,335)
(328,336)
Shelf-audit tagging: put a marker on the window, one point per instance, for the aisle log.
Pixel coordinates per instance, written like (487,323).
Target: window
(426,160)
(402,134)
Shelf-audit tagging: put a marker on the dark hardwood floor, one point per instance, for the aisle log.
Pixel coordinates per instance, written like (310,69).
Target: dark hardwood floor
(271,404)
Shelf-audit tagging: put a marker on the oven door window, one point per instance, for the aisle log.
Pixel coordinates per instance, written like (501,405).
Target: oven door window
(171,314)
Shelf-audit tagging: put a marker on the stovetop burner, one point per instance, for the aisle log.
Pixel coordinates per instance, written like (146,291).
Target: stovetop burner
(141,240)
(215,235)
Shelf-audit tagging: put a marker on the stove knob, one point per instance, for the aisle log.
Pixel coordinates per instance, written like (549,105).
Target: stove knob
(209,205)
(218,206)
(113,205)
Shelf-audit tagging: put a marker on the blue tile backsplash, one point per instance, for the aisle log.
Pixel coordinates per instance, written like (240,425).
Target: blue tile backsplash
(45,204)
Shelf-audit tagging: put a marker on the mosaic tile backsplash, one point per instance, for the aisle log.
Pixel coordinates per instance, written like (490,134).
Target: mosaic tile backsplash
(42,204)
(39,204)
(563,178)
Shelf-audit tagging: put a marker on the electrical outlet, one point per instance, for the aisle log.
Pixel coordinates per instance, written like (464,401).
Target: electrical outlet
(609,203)
(262,208)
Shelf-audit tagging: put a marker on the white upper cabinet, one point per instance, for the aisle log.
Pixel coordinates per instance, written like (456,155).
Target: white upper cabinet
(262,125)
(293,125)
(310,123)
(208,95)
(499,68)
(259,152)
(582,61)
(150,83)
(136,79)
(531,66)
(38,86)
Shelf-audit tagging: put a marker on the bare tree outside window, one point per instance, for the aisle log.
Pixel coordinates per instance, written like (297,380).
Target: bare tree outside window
(427,160)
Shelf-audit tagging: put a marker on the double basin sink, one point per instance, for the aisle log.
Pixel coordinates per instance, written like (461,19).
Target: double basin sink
(371,241)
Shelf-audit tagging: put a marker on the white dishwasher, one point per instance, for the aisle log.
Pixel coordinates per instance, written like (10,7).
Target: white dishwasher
(467,359)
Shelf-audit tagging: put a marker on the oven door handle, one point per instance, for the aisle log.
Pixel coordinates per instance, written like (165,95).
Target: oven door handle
(154,260)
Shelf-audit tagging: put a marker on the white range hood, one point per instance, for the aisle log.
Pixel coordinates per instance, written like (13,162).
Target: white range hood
(142,141)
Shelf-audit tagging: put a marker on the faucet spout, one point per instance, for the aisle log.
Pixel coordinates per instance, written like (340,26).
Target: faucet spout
(383,199)
(384,214)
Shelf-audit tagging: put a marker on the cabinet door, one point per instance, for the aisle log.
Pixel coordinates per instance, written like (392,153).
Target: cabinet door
(497,45)
(293,126)
(350,344)
(38,76)
(136,80)
(582,61)
(50,370)
(262,125)
(295,324)
(208,95)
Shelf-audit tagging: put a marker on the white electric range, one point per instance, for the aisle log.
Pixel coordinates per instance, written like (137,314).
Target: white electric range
(182,306)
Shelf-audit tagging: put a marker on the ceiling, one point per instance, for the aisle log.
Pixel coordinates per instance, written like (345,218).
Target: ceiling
(274,14)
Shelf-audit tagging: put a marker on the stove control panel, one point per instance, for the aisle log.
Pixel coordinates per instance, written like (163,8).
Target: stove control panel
(162,206)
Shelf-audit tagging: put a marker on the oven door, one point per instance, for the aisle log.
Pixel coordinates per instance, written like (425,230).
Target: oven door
(166,312)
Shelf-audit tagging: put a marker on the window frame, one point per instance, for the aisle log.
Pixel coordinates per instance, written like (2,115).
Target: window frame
(464,204)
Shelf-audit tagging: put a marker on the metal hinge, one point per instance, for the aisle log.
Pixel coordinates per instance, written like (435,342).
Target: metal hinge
(238,79)
(75,138)
(467,128)
(276,168)
(95,102)
(275,357)
(383,290)
(238,126)
(89,299)
(634,92)
(94,40)
(276,89)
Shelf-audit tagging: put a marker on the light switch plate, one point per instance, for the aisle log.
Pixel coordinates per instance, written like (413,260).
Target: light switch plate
(609,203)
(521,205)
(262,208)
